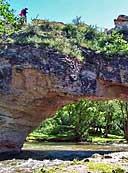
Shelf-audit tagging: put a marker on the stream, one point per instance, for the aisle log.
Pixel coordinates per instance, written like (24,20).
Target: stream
(36,155)
(69,151)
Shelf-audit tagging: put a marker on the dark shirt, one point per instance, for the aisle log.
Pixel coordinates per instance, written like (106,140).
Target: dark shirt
(23,12)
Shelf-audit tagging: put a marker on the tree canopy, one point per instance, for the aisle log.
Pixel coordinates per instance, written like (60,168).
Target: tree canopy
(84,119)
(8,20)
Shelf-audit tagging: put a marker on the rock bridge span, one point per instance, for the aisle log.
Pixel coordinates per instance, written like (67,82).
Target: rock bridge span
(36,82)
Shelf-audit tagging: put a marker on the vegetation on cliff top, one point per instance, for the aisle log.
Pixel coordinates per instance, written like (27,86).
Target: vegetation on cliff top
(66,38)
(69,39)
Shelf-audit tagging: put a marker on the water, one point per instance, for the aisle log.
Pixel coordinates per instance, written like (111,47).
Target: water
(75,146)
(34,154)
(69,151)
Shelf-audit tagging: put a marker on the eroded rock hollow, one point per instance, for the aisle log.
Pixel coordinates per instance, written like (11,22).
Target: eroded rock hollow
(36,82)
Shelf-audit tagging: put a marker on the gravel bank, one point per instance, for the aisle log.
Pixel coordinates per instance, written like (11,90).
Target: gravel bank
(31,165)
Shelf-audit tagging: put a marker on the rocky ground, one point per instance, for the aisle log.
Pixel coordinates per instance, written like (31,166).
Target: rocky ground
(108,163)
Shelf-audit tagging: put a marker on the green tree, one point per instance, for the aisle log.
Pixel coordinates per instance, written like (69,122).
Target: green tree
(8,21)
(80,116)
(83,119)
(124,114)
(107,112)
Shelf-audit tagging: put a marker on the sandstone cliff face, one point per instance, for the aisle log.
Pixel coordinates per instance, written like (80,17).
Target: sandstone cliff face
(36,82)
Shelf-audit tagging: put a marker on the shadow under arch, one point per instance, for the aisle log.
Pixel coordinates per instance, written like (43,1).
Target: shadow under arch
(66,155)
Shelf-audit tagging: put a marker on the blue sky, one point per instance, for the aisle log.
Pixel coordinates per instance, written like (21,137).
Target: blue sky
(93,12)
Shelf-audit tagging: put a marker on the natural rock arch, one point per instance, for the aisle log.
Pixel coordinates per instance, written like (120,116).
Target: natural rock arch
(35,83)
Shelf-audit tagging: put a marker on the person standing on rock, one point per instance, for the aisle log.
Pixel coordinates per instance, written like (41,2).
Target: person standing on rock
(23,14)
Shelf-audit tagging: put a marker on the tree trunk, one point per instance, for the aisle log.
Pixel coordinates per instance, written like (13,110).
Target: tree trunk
(126,130)
(108,124)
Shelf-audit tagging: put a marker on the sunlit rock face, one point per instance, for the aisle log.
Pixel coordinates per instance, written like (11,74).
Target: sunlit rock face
(36,82)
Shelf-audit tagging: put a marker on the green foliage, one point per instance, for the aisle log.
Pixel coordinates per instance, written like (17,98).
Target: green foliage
(109,44)
(105,168)
(50,35)
(87,167)
(84,119)
(70,31)
(113,44)
(8,21)
(90,33)
(124,113)
(67,38)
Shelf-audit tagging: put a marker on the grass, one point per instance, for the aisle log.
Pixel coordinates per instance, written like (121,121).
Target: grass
(104,168)
(86,167)
(68,39)
(111,138)
(48,34)
(39,136)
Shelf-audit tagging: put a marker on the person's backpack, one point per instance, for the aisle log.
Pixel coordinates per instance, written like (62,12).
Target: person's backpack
(22,13)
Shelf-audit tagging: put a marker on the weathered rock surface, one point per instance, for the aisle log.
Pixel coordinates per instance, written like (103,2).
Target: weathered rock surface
(121,21)
(36,82)
(116,161)
(121,25)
